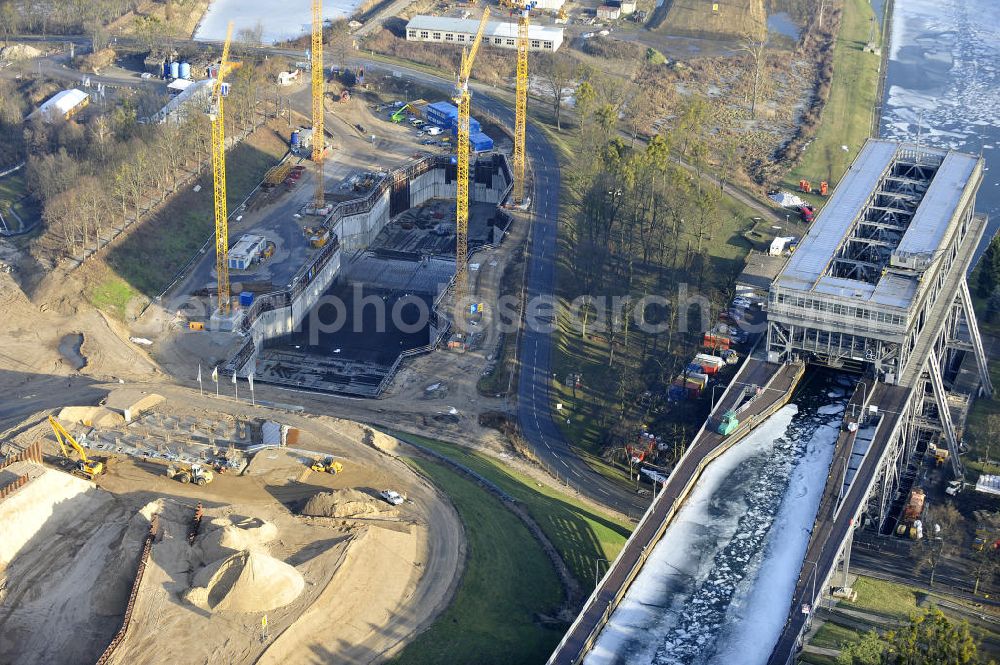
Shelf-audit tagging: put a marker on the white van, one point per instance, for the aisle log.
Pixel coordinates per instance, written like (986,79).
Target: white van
(433,131)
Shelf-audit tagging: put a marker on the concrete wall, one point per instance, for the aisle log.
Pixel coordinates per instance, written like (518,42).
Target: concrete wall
(430,185)
(356,232)
(359,231)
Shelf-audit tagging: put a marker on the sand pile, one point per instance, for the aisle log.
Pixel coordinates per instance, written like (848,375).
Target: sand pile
(248,581)
(222,536)
(19,52)
(345,503)
(91,416)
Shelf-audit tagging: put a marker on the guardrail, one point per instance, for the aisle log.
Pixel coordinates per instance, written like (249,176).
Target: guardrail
(671,512)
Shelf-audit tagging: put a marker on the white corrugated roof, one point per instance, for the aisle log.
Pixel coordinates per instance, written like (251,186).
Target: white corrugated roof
(807,268)
(63,102)
(471,25)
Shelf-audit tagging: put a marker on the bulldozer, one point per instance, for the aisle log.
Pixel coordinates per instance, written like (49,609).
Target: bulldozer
(329,466)
(85,466)
(198,474)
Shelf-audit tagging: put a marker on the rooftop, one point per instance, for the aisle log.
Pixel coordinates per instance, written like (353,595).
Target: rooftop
(471,26)
(884,225)
(62,102)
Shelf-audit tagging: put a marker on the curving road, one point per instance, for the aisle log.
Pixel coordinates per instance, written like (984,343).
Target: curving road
(535,400)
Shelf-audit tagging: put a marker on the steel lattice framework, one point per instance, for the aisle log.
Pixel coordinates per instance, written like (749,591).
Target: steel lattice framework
(463,99)
(521,102)
(318,139)
(219,179)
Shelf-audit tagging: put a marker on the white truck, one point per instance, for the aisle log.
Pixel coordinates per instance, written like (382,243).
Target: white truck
(392,496)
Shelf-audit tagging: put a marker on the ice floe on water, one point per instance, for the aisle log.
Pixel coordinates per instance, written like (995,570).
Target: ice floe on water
(278,21)
(717,587)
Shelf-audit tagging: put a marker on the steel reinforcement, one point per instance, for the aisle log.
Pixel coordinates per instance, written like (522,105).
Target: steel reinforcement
(143,558)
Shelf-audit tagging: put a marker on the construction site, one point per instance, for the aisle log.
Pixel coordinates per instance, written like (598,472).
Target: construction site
(244,538)
(146,516)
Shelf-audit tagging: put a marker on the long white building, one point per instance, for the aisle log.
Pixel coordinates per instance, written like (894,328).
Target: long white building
(463,30)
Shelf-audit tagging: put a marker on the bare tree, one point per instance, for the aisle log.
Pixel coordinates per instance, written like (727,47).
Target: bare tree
(755,48)
(941,537)
(557,71)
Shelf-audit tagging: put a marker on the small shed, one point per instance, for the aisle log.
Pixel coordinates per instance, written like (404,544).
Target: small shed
(758,273)
(246,251)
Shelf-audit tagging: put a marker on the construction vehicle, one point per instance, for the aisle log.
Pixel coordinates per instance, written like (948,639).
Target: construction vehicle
(940,454)
(400,113)
(730,419)
(909,524)
(198,474)
(330,465)
(728,423)
(85,466)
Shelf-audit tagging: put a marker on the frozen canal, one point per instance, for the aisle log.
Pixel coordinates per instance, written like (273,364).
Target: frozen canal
(277,20)
(943,83)
(718,586)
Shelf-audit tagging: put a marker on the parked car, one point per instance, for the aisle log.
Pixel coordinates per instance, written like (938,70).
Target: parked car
(428,142)
(740,301)
(360,128)
(392,496)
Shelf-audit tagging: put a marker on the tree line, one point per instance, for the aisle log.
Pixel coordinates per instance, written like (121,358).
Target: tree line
(96,177)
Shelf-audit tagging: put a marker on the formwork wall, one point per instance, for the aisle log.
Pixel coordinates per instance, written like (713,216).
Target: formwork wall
(355,225)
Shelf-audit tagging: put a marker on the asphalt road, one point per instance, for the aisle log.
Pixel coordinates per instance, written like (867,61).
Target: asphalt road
(535,403)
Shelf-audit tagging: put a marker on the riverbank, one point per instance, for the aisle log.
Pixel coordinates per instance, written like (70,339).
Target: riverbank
(849,116)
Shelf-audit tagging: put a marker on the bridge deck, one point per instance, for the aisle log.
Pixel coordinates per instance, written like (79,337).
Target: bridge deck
(778,383)
(829,533)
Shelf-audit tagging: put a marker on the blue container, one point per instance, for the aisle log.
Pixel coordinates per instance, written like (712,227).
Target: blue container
(185,70)
(246,298)
(175,69)
(474,127)
(296,140)
(166,69)
(479,142)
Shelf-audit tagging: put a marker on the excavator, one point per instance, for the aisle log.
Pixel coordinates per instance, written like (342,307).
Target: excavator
(86,467)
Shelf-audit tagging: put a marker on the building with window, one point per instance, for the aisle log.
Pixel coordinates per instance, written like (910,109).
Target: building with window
(461,31)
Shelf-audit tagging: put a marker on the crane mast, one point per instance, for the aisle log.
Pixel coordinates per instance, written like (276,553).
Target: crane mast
(318,141)
(463,99)
(219,179)
(521,101)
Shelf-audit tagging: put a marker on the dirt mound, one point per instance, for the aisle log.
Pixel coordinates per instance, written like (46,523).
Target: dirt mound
(91,416)
(248,581)
(345,503)
(222,536)
(19,52)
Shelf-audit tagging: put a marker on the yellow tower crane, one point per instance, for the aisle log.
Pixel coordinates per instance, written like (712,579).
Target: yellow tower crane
(521,100)
(318,86)
(463,99)
(219,178)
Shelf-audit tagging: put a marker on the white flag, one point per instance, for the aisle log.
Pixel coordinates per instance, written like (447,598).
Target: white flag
(199,372)
(215,373)
(250,379)
(234,377)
